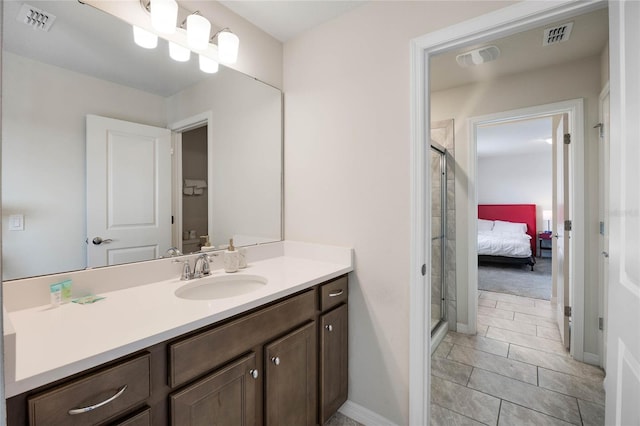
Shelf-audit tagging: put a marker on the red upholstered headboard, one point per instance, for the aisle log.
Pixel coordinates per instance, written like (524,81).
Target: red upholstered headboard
(520,213)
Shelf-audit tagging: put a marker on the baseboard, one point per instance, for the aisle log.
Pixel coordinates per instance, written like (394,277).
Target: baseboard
(363,415)
(590,358)
(462,328)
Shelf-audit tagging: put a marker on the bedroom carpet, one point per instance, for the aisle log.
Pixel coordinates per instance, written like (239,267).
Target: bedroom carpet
(518,280)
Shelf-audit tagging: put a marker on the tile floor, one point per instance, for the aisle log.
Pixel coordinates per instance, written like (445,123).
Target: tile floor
(513,372)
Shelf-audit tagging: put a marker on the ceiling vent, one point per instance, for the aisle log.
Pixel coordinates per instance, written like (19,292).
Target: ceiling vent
(557,34)
(478,56)
(36,18)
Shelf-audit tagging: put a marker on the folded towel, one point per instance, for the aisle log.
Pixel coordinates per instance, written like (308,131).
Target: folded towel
(198,191)
(196,183)
(188,190)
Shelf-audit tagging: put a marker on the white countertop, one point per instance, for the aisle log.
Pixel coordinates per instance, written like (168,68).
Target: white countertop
(53,343)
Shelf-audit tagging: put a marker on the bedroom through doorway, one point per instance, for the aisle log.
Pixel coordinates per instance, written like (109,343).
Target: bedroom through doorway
(515,202)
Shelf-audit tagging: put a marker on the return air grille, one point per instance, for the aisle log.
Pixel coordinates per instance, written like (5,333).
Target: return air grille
(36,18)
(557,34)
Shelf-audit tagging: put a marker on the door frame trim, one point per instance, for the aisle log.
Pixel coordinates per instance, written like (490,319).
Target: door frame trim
(575,110)
(518,17)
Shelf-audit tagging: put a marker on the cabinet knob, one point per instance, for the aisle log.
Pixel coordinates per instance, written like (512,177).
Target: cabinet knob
(254,373)
(275,360)
(329,327)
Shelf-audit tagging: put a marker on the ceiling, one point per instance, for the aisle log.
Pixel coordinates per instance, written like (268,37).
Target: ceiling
(515,138)
(524,52)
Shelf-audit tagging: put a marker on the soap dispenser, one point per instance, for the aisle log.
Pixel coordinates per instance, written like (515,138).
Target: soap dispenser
(231,258)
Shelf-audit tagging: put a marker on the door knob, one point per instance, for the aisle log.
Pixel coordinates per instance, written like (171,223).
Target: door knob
(97,241)
(329,327)
(276,360)
(254,373)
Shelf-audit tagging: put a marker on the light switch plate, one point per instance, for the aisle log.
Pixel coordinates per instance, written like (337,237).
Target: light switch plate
(16,222)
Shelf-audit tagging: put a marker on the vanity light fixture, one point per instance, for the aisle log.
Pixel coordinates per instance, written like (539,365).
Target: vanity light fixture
(144,38)
(179,53)
(228,44)
(164,14)
(208,65)
(198,30)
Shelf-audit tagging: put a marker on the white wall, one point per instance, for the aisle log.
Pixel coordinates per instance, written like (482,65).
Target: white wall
(347,142)
(517,179)
(43,159)
(578,79)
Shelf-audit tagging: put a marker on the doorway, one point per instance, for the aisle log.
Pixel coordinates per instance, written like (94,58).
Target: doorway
(195,195)
(507,21)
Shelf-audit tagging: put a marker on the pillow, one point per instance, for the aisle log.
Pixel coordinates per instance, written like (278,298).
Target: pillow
(485,225)
(509,227)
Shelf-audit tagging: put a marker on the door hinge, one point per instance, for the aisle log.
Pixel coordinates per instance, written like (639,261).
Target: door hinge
(567,225)
(172,220)
(600,323)
(567,311)
(567,138)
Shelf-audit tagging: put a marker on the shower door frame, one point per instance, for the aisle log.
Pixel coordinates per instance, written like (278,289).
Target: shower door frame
(443,238)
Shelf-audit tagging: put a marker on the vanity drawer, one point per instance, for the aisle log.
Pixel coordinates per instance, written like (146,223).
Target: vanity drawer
(334,292)
(207,350)
(142,418)
(53,406)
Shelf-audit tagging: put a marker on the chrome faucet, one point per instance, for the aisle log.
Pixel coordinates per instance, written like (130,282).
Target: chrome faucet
(201,267)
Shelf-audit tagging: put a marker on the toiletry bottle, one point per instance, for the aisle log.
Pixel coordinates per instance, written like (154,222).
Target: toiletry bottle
(231,258)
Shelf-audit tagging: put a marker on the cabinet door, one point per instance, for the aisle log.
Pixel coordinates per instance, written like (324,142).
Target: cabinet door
(334,361)
(225,397)
(290,375)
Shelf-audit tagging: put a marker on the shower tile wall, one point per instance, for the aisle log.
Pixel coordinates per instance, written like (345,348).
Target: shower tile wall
(442,132)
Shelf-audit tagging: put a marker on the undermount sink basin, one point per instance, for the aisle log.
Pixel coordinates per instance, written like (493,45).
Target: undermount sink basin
(220,287)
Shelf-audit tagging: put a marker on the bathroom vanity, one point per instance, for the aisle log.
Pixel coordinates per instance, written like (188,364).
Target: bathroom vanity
(277,356)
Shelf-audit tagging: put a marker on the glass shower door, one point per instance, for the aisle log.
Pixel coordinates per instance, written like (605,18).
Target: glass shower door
(438,226)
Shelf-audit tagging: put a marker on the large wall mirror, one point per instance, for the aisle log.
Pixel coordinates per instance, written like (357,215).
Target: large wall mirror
(216,171)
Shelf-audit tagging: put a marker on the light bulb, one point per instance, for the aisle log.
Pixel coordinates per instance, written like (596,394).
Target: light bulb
(228,44)
(144,38)
(179,53)
(164,14)
(198,29)
(208,65)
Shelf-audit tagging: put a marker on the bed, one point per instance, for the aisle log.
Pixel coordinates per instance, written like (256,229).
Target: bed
(507,234)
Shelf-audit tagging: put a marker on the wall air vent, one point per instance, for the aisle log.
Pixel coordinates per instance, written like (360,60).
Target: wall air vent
(557,34)
(36,18)
(478,56)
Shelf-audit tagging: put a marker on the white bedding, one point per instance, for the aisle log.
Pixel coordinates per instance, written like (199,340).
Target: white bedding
(495,243)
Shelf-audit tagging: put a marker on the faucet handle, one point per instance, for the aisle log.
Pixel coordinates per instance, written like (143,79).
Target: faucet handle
(186,271)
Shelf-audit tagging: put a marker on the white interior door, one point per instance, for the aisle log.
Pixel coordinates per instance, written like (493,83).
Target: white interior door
(623,335)
(561,240)
(128,191)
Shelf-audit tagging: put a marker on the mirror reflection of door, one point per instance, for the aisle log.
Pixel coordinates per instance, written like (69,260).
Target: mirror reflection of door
(128,191)
(195,197)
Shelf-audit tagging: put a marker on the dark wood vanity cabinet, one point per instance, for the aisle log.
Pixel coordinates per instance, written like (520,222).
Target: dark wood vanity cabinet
(227,395)
(290,378)
(285,363)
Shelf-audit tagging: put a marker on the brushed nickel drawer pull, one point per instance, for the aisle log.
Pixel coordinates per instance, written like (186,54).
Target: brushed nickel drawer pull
(336,293)
(75,411)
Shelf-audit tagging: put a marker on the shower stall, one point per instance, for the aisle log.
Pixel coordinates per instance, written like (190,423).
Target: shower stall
(438,164)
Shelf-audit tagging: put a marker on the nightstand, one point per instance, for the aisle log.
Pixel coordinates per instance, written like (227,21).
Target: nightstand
(544,243)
